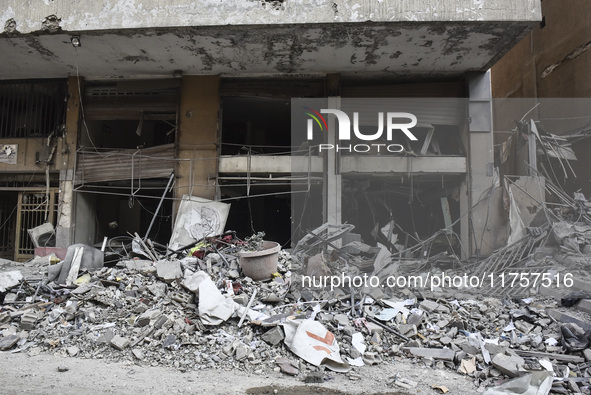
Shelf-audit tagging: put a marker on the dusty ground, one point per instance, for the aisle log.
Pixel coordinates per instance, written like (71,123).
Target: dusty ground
(22,374)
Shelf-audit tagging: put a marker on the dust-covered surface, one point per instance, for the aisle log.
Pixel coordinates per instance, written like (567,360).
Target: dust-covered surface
(204,319)
(40,375)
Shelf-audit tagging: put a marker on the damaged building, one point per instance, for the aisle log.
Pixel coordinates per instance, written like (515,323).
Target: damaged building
(109,115)
(300,188)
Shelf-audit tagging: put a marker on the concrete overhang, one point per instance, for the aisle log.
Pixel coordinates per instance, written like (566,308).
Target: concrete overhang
(145,38)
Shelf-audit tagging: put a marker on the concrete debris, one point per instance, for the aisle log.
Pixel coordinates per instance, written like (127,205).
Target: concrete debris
(73,351)
(405,383)
(184,310)
(288,367)
(510,365)
(169,270)
(273,336)
(9,280)
(120,343)
(8,342)
(445,354)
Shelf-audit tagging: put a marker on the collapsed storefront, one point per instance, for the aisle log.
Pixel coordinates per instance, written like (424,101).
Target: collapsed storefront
(151,126)
(208,109)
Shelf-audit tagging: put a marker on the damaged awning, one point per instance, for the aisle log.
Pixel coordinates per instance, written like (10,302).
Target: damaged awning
(124,164)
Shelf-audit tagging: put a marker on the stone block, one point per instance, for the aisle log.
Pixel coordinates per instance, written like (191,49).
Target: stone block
(508,365)
(274,336)
(169,270)
(119,342)
(428,305)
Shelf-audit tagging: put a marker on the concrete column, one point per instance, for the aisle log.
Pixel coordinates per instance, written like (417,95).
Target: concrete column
(333,182)
(66,214)
(197,138)
(481,161)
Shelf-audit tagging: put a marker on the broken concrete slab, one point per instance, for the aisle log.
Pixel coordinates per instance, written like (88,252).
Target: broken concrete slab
(9,280)
(568,319)
(242,350)
(555,356)
(106,337)
(119,342)
(509,365)
(342,319)
(428,305)
(274,336)
(6,343)
(286,366)
(158,290)
(72,351)
(137,264)
(444,354)
(137,353)
(168,270)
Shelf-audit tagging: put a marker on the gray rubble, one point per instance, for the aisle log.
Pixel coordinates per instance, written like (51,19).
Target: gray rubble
(193,313)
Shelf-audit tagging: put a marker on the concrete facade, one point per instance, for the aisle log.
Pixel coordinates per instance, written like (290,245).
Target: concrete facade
(72,16)
(340,42)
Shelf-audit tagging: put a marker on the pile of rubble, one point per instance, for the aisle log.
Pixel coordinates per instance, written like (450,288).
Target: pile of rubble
(194,308)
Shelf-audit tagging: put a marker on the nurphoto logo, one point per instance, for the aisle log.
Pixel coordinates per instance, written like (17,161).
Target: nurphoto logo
(391,119)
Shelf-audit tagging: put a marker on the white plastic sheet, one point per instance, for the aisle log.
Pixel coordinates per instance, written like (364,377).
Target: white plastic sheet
(315,344)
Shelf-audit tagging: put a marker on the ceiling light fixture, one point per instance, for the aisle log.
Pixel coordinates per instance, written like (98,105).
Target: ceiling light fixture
(75,41)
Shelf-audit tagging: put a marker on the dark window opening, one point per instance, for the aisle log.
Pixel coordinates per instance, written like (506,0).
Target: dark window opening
(270,214)
(258,125)
(130,114)
(32,108)
(129,133)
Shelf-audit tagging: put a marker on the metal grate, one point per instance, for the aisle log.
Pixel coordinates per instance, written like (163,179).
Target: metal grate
(32,108)
(34,209)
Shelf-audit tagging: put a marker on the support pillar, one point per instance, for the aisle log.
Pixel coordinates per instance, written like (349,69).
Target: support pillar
(333,184)
(197,138)
(65,225)
(481,163)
